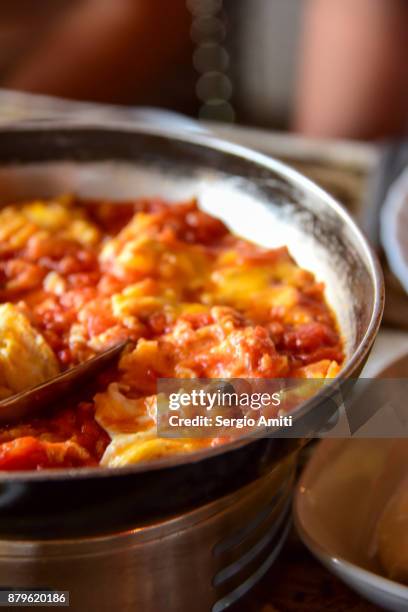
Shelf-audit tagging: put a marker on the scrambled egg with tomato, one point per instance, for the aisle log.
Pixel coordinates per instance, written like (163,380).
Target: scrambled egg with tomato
(26,359)
(194,300)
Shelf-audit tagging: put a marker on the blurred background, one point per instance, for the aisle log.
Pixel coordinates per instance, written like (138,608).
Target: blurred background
(326,68)
(322,85)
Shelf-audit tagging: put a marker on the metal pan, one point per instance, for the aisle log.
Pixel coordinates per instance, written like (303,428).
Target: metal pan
(259,198)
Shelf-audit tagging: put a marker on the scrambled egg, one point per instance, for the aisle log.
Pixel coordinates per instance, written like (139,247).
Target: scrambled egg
(25,357)
(57,218)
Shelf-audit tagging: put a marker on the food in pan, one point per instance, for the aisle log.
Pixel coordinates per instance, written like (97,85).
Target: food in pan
(26,359)
(392,535)
(195,301)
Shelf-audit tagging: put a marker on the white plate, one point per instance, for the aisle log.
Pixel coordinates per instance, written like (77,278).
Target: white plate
(394,228)
(338,500)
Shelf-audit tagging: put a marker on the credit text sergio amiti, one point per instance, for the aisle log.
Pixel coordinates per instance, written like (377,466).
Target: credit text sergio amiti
(211,400)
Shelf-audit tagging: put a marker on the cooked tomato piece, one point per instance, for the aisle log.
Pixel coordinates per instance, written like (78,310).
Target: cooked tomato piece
(30,453)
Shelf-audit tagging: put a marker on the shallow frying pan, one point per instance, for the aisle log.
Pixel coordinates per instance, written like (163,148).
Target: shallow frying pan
(259,198)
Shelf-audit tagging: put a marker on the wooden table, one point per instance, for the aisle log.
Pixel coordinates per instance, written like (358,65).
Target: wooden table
(298,583)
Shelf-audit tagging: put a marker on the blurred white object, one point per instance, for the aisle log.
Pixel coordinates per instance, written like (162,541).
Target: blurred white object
(394,228)
(390,345)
